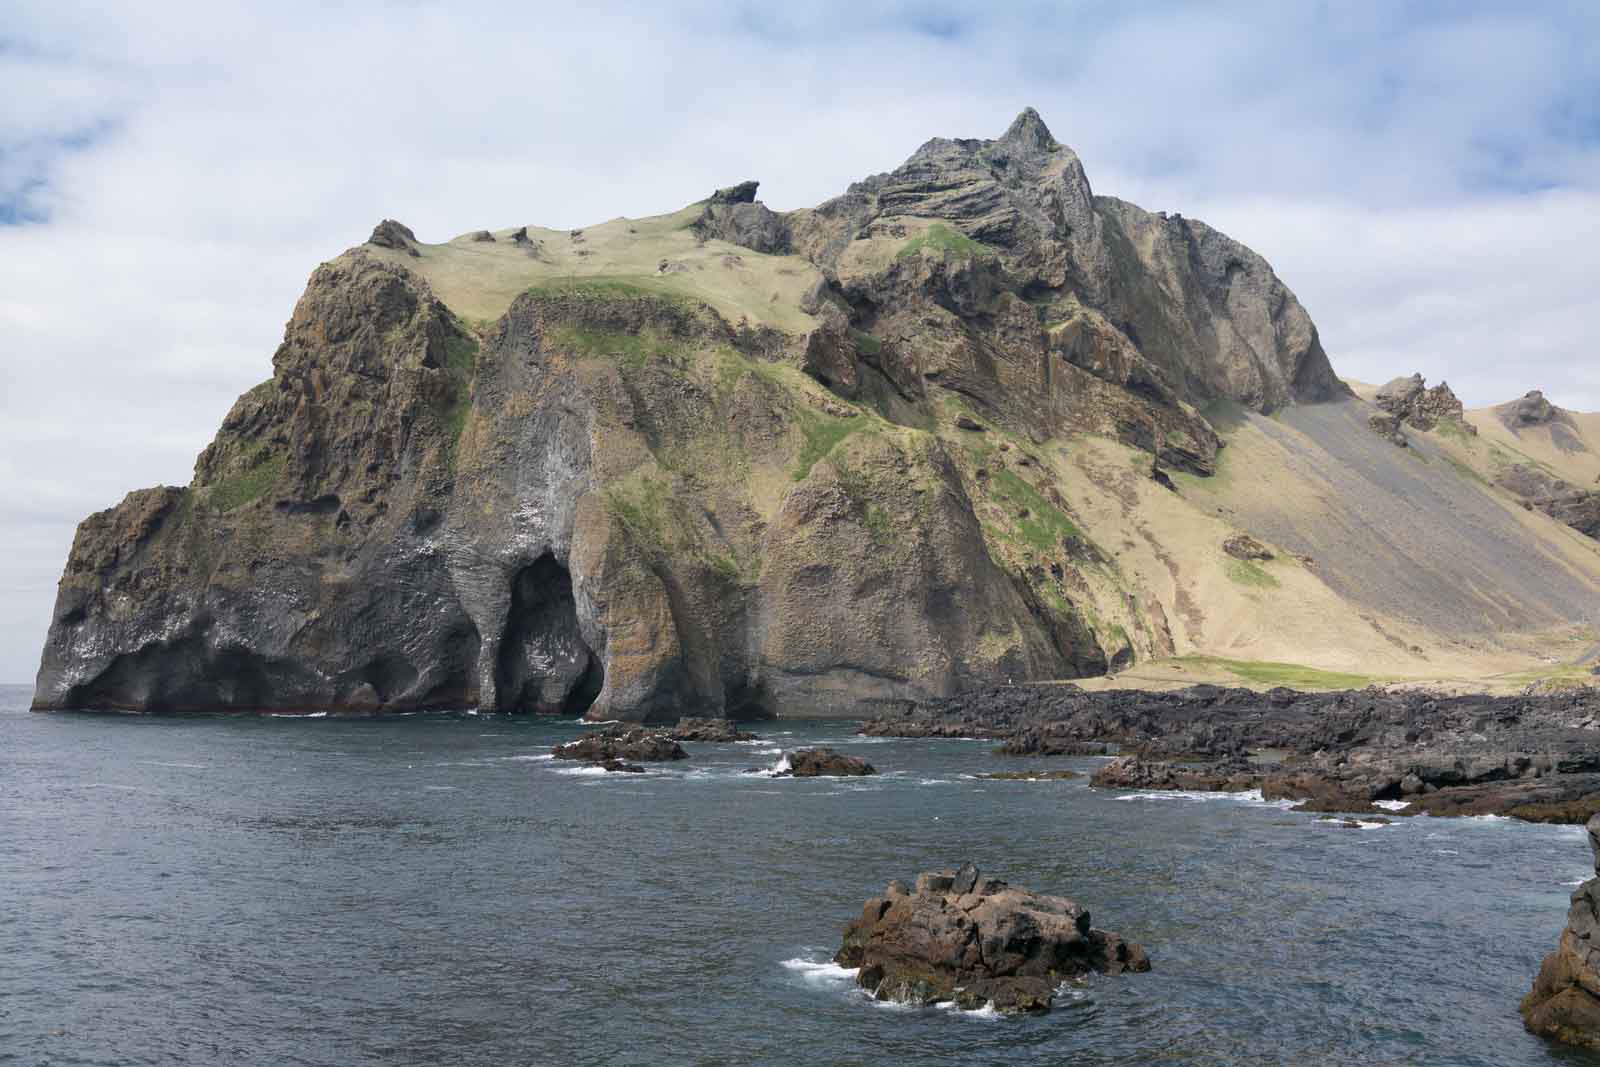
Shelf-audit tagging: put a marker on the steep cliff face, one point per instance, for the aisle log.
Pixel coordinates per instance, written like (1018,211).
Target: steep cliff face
(727,460)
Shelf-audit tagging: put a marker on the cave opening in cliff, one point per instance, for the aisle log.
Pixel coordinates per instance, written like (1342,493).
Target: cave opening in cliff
(544,666)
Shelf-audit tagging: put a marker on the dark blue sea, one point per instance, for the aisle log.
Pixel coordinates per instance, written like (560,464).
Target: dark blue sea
(434,890)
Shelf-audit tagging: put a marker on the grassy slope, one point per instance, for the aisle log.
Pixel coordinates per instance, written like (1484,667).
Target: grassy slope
(1278,622)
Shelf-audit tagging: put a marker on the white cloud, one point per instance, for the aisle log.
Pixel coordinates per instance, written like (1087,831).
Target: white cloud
(1427,185)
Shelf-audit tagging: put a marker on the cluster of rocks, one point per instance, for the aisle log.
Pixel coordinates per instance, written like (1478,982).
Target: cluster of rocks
(1409,402)
(622,749)
(957,936)
(1534,757)
(1564,1003)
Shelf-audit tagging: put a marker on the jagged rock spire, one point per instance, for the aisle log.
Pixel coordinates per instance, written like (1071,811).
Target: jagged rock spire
(1028,131)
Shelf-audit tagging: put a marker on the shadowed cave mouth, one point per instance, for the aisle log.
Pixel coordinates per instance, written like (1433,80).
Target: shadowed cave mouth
(544,667)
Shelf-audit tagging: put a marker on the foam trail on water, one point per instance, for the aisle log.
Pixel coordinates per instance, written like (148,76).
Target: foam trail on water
(812,971)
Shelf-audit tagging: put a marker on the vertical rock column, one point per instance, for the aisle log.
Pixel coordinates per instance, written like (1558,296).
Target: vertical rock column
(1565,1002)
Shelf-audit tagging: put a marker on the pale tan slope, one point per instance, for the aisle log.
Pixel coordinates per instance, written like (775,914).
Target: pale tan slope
(1414,568)
(479,279)
(1569,448)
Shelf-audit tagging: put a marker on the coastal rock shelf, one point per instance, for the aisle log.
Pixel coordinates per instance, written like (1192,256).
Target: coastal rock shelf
(1565,1001)
(1530,757)
(957,936)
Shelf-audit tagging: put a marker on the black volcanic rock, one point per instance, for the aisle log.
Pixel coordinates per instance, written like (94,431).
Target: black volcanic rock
(1533,757)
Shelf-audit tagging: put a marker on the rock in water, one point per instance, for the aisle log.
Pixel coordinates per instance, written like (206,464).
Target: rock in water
(823,763)
(708,730)
(1565,1002)
(609,746)
(975,941)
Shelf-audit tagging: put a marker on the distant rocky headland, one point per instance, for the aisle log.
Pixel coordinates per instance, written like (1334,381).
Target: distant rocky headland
(966,424)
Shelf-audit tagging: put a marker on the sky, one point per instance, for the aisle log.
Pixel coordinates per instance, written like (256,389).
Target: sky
(1425,176)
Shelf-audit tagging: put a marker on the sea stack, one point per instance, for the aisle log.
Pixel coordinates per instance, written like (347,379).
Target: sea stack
(1565,1002)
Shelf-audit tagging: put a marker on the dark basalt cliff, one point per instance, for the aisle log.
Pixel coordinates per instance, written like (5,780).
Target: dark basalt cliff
(611,496)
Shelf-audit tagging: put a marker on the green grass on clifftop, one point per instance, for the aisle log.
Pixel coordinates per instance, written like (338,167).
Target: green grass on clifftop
(246,486)
(941,238)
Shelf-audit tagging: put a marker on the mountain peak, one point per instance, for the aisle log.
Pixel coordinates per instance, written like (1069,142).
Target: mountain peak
(1028,130)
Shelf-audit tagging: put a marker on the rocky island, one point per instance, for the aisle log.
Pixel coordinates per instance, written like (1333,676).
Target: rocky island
(957,936)
(967,424)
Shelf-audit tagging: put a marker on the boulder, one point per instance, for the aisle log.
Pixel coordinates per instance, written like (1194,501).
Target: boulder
(976,941)
(823,763)
(1243,546)
(606,746)
(1564,1004)
(395,235)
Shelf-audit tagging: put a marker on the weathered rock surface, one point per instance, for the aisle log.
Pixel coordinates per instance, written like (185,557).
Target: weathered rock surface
(961,937)
(1577,507)
(708,730)
(1410,401)
(619,745)
(612,500)
(1564,1004)
(1243,546)
(822,763)
(1532,757)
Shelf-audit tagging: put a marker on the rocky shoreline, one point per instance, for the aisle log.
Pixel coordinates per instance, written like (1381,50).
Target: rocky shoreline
(1532,757)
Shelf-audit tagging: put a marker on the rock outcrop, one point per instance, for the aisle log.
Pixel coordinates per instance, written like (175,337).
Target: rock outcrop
(822,763)
(957,936)
(1532,757)
(1411,402)
(1564,1004)
(1577,507)
(593,494)
(619,745)
(718,731)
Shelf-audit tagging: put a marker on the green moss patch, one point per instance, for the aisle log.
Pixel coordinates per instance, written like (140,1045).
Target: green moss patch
(940,239)
(822,433)
(1037,521)
(1245,572)
(248,485)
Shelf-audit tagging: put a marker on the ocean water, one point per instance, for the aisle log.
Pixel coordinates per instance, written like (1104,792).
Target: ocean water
(432,890)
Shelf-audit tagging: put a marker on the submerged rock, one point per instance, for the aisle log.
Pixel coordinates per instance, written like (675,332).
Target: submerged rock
(961,937)
(822,763)
(1564,1004)
(617,745)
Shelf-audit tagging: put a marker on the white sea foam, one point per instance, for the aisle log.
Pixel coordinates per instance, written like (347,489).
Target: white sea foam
(528,759)
(583,770)
(1392,805)
(1247,796)
(440,789)
(1576,881)
(987,1012)
(297,715)
(1446,852)
(812,971)
(1368,824)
